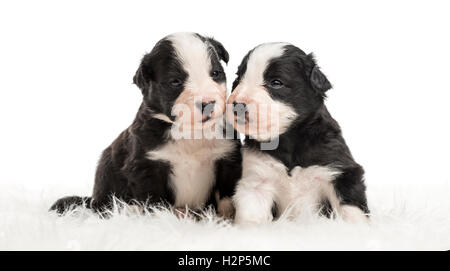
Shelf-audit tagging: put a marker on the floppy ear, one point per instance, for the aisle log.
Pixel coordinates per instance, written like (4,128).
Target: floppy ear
(317,79)
(142,76)
(223,54)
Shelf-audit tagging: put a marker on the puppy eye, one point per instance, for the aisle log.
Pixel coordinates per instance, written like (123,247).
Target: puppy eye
(276,83)
(215,74)
(175,82)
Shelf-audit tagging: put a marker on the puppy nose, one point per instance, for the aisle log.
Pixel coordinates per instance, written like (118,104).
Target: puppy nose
(239,108)
(206,107)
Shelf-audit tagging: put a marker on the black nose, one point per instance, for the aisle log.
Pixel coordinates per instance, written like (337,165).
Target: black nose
(206,108)
(239,108)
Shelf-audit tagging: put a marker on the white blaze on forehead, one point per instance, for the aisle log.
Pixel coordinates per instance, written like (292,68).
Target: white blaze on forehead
(193,53)
(258,61)
(267,118)
(195,58)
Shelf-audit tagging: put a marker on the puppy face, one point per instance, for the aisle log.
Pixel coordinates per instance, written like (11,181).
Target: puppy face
(277,85)
(183,81)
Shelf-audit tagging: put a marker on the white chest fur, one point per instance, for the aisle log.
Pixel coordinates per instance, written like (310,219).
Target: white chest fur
(265,180)
(193,167)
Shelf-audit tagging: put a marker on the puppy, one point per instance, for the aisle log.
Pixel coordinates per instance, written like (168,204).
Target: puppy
(294,157)
(175,152)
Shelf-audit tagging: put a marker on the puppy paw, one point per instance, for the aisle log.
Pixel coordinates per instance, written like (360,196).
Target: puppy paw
(353,214)
(183,213)
(253,220)
(225,208)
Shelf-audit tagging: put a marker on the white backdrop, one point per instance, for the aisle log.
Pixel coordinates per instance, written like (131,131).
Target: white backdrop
(66,73)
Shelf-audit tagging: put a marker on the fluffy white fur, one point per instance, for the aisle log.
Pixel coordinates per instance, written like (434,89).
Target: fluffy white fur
(410,217)
(194,56)
(265,180)
(193,165)
(258,61)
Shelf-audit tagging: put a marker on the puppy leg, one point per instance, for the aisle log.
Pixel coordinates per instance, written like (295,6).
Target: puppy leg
(253,201)
(352,214)
(185,212)
(228,173)
(223,205)
(332,189)
(225,208)
(108,184)
(351,194)
(148,182)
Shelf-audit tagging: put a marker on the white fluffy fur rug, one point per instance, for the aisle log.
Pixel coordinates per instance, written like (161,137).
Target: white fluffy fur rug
(403,218)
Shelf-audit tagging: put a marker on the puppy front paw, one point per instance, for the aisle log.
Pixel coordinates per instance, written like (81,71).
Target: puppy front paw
(253,219)
(185,212)
(225,208)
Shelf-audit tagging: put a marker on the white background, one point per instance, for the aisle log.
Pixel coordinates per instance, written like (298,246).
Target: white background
(66,73)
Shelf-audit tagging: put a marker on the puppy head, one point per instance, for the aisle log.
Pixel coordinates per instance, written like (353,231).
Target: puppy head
(277,85)
(183,81)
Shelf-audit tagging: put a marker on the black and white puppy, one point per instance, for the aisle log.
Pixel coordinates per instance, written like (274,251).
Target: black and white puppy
(278,97)
(151,162)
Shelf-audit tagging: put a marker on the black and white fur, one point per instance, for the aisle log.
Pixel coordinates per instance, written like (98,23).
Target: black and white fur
(312,167)
(145,164)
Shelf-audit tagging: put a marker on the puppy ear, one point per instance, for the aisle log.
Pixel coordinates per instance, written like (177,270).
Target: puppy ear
(317,79)
(223,54)
(142,76)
